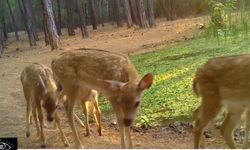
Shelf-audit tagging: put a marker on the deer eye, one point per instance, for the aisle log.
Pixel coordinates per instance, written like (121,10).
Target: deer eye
(137,104)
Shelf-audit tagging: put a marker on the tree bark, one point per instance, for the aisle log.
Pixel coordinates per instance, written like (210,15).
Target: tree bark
(110,11)
(59,21)
(5,32)
(51,26)
(13,20)
(45,27)
(1,27)
(70,17)
(150,10)
(117,13)
(93,14)
(27,23)
(29,11)
(81,18)
(141,13)
(1,39)
(101,13)
(128,14)
(134,11)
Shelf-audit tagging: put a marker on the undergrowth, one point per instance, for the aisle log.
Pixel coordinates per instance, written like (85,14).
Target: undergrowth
(171,96)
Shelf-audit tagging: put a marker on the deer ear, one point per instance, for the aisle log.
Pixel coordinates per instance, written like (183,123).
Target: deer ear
(112,85)
(42,85)
(145,82)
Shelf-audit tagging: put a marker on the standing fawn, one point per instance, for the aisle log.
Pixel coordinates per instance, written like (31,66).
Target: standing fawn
(40,90)
(223,81)
(89,105)
(112,74)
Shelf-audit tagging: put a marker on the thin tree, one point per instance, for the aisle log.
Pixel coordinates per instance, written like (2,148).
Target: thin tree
(134,11)
(128,13)
(70,17)
(54,40)
(1,28)
(93,14)
(81,18)
(150,10)
(13,20)
(59,21)
(27,23)
(117,16)
(45,27)
(27,4)
(141,14)
(110,11)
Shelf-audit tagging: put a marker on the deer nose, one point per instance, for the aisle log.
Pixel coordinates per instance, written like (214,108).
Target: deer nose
(50,119)
(127,122)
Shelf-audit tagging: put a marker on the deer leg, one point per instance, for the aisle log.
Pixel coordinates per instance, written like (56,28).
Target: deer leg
(70,113)
(28,114)
(86,113)
(41,121)
(206,115)
(97,115)
(64,140)
(128,140)
(247,128)
(79,120)
(229,124)
(34,112)
(122,134)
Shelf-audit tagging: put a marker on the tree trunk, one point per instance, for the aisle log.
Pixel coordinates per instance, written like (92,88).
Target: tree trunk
(101,13)
(134,12)
(70,17)
(81,18)
(59,22)
(163,8)
(1,39)
(93,14)
(117,13)
(141,14)
(128,14)
(45,27)
(5,32)
(29,11)
(110,11)
(27,23)
(1,27)
(49,18)
(13,20)
(150,10)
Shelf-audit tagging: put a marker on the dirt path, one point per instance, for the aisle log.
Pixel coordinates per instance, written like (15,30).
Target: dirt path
(19,54)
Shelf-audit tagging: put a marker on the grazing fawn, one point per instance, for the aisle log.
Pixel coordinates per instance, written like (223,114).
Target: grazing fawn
(222,81)
(89,105)
(110,73)
(40,90)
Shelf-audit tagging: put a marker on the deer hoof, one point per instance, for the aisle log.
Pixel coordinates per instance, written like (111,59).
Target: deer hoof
(87,134)
(27,134)
(66,144)
(43,146)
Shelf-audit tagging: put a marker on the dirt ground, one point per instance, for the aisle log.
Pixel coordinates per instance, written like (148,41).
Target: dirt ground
(18,54)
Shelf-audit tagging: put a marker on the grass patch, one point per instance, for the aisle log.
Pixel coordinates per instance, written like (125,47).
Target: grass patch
(171,96)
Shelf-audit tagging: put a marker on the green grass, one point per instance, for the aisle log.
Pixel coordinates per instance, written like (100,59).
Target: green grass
(171,96)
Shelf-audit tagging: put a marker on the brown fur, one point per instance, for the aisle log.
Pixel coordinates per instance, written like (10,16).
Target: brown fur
(222,81)
(40,90)
(109,73)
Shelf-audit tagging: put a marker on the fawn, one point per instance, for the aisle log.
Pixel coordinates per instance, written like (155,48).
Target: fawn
(89,105)
(110,73)
(40,90)
(222,81)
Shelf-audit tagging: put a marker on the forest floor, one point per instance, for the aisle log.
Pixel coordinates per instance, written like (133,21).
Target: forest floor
(18,54)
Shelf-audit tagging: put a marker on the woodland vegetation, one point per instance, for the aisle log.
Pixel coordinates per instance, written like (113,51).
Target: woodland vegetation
(228,24)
